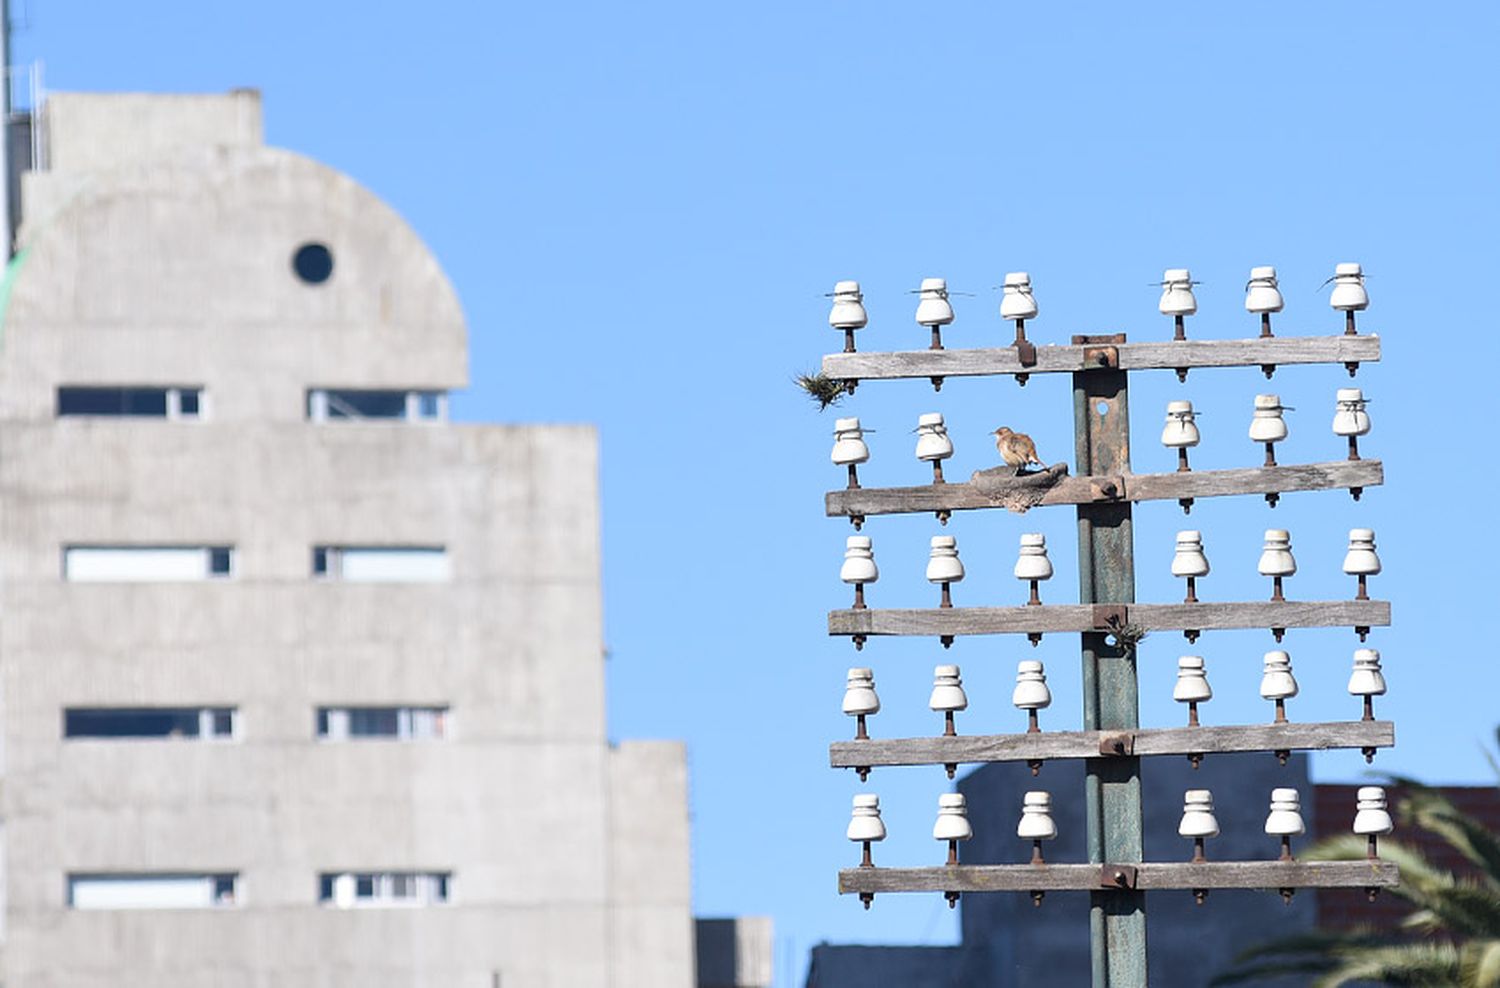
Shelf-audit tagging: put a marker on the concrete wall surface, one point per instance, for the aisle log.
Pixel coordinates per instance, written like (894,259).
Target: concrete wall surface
(736,952)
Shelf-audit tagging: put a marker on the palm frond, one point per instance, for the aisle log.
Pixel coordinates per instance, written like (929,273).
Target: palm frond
(1428,808)
(1468,909)
(1426,964)
(1316,940)
(1317,952)
(1479,963)
(1416,871)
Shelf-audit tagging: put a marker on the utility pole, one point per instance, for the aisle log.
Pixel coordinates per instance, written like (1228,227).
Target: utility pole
(1109,621)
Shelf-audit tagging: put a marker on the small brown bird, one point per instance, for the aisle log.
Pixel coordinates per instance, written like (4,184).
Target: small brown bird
(1016,448)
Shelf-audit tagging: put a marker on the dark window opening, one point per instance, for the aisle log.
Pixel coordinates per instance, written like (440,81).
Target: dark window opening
(148,722)
(313,263)
(367,404)
(160,723)
(112,401)
(372,722)
(130,401)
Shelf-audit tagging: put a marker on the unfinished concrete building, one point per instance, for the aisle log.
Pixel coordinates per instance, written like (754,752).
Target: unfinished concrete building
(302,683)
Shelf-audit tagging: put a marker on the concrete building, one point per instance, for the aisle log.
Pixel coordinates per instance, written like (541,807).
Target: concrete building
(302,684)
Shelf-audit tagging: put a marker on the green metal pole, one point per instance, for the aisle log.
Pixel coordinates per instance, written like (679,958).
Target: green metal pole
(1117,917)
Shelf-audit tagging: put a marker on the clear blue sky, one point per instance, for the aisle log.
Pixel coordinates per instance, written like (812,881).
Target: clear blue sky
(641,206)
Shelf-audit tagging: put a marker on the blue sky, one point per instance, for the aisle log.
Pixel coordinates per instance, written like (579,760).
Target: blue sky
(641,206)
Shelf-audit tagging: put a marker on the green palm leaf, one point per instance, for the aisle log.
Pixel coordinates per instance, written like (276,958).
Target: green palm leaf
(1479,963)
(1464,913)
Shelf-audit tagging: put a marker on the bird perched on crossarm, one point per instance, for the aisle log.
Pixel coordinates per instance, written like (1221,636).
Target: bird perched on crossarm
(1016,448)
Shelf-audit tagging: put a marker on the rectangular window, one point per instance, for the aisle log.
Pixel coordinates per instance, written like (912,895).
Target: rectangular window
(375,889)
(381,564)
(152,402)
(391,723)
(153,891)
(147,564)
(198,723)
(332,404)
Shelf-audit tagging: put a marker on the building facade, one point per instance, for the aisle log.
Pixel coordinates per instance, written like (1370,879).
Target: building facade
(302,684)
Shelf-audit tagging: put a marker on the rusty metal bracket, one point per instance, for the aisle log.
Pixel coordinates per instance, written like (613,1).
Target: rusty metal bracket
(1101,357)
(1026,353)
(1110,617)
(1117,743)
(1118,876)
(1107,488)
(1099,352)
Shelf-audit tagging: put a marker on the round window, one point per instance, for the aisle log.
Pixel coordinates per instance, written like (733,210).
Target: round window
(313,263)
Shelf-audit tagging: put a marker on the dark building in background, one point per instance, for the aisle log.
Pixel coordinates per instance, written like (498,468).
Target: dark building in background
(1009,943)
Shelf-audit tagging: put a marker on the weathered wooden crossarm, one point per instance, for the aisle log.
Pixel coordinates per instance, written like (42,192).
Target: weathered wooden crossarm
(1335,475)
(1049,745)
(1131,356)
(1146,875)
(1203,616)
